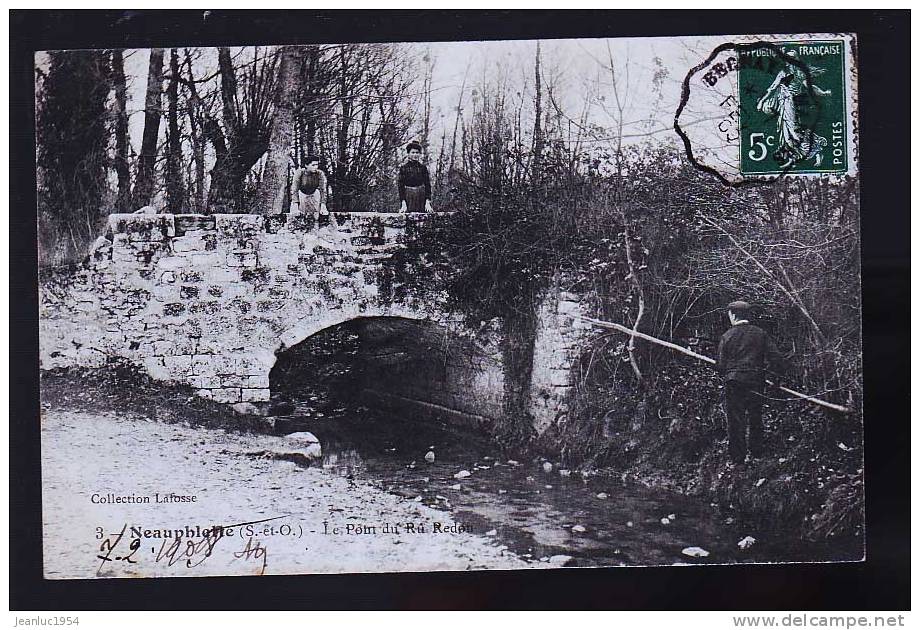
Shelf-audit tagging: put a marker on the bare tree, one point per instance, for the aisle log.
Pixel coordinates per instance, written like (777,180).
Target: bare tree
(538,113)
(426,99)
(153,111)
(457,118)
(243,138)
(122,169)
(193,110)
(274,176)
(175,190)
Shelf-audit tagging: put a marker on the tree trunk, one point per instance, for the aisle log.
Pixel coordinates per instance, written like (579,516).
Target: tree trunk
(640,295)
(244,137)
(228,91)
(197,137)
(453,142)
(426,89)
(274,176)
(123,201)
(341,166)
(174,188)
(538,113)
(143,184)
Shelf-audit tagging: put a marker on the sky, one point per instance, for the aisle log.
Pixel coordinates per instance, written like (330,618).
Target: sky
(649,72)
(576,65)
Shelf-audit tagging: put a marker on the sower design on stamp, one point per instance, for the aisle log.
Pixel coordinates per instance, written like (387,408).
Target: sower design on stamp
(752,111)
(793,108)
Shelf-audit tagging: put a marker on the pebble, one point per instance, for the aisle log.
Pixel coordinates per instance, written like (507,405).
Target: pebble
(512,462)
(429,456)
(547,467)
(463,474)
(456,486)
(746,542)
(601,495)
(578,529)
(695,552)
(492,532)
(564,473)
(666,521)
(559,560)
(629,523)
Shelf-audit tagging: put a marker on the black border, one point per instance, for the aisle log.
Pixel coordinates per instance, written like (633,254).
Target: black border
(882,582)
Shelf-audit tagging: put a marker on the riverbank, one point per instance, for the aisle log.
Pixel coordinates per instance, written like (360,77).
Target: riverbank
(110,479)
(529,513)
(806,488)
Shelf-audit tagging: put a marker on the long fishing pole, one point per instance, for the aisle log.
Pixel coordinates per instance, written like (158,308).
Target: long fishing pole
(690,353)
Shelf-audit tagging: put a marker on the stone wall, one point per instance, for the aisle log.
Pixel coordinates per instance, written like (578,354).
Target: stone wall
(559,338)
(210,300)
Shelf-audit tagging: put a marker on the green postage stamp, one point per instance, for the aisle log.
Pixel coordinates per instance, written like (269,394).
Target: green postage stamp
(792,107)
(759,107)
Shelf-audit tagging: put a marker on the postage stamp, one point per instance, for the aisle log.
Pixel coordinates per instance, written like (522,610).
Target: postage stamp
(792,107)
(762,107)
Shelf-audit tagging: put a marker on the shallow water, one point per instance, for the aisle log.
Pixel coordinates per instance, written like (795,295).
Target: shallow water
(521,505)
(596,520)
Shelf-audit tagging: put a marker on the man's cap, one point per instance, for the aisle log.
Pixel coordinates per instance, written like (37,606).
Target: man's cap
(414,145)
(740,306)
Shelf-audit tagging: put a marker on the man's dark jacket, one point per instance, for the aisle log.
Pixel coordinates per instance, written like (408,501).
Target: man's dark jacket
(746,352)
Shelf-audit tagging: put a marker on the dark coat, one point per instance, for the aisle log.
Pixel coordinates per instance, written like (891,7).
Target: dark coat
(746,352)
(413,174)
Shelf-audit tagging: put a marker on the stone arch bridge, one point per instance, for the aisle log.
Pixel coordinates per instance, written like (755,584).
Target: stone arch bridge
(212,301)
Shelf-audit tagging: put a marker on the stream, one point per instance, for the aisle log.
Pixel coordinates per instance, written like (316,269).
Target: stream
(536,510)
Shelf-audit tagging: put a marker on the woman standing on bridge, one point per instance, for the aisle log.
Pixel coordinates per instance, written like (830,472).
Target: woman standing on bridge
(414,182)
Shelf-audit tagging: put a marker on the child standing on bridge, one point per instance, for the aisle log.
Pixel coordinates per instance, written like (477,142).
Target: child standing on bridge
(414,182)
(308,188)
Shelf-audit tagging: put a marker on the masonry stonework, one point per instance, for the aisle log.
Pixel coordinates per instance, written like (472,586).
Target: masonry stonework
(210,301)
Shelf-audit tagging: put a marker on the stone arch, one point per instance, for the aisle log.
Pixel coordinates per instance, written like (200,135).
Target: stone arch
(443,371)
(309,326)
(209,301)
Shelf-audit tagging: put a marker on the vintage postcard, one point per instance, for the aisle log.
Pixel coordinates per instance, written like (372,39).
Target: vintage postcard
(449,306)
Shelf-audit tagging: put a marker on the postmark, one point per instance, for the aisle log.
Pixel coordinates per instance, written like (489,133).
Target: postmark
(769,107)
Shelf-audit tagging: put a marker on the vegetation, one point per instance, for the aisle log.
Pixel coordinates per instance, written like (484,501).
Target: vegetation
(661,247)
(540,192)
(222,130)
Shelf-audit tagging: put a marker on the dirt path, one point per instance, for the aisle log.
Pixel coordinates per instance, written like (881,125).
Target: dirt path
(100,454)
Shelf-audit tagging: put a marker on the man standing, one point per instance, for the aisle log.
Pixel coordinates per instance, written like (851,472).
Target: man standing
(414,182)
(308,188)
(746,352)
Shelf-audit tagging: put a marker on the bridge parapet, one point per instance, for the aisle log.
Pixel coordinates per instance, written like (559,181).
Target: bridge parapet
(211,300)
(208,300)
